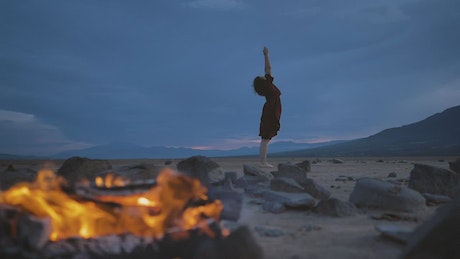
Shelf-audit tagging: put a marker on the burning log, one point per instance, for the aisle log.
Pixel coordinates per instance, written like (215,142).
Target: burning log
(172,217)
(29,243)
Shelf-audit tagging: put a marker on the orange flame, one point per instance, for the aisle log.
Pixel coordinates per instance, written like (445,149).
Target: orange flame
(161,208)
(110,180)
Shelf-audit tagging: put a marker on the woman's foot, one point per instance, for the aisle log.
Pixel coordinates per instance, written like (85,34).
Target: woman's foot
(265,164)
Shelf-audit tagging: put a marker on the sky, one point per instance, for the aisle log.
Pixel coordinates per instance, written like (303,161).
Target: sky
(75,74)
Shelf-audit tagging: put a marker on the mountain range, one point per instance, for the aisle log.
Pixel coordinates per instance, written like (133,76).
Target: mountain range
(438,134)
(131,151)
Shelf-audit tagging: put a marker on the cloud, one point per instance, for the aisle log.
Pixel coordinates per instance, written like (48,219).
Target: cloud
(216,4)
(445,95)
(24,134)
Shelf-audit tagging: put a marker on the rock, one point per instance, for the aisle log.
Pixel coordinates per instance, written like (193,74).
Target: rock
(394,232)
(251,180)
(274,207)
(232,201)
(336,208)
(337,161)
(203,169)
(76,168)
(378,194)
(268,231)
(168,162)
(437,237)
(305,165)
(392,175)
(344,178)
(391,216)
(12,176)
(455,166)
(433,199)
(284,184)
(295,200)
(140,172)
(252,170)
(309,228)
(434,180)
(315,190)
(239,244)
(292,171)
(231,176)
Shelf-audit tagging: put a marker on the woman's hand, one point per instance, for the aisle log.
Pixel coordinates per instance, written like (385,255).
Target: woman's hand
(265,51)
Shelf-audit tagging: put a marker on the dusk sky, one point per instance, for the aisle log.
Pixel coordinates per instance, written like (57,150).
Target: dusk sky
(75,74)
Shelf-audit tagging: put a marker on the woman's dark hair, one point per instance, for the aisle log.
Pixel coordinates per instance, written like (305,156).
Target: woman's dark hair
(259,85)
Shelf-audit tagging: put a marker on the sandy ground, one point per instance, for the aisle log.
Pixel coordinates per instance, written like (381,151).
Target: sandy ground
(309,235)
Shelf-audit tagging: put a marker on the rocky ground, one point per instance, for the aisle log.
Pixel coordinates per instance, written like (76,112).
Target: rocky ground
(301,232)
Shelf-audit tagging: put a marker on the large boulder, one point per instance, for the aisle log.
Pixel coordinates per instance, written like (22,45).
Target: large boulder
(434,180)
(284,184)
(203,169)
(455,166)
(439,236)
(314,189)
(291,171)
(305,165)
(252,170)
(75,169)
(336,208)
(295,200)
(377,194)
(139,172)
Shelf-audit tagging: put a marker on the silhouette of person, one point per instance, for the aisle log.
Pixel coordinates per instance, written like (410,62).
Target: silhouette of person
(271,112)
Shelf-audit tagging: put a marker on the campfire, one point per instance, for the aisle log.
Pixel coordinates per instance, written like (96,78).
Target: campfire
(162,217)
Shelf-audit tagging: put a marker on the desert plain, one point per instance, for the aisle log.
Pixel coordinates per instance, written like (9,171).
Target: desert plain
(295,233)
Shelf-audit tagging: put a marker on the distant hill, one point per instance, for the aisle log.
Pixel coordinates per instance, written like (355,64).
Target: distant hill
(438,134)
(131,151)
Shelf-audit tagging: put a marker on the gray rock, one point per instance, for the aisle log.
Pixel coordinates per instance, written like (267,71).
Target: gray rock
(305,165)
(252,170)
(274,207)
(231,176)
(337,161)
(397,233)
(392,175)
(317,191)
(378,194)
(455,166)
(232,201)
(296,200)
(292,171)
(251,180)
(77,168)
(268,231)
(256,190)
(436,199)
(139,172)
(239,244)
(437,237)
(336,208)
(284,184)
(203,169)
(434,180)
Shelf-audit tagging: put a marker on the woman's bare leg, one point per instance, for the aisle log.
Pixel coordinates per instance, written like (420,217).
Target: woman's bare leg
(263,152)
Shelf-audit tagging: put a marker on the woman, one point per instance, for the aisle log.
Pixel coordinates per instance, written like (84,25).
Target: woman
(271,112)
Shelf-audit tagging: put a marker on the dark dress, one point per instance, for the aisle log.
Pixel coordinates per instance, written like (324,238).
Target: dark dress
(271,112)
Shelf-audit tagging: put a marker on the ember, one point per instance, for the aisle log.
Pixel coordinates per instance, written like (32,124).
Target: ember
(176,202)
